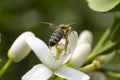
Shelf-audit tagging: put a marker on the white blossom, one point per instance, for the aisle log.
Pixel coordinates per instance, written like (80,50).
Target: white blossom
(20,49)
(51,64)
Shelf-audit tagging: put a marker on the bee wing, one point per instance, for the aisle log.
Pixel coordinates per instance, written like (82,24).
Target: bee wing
(50,24)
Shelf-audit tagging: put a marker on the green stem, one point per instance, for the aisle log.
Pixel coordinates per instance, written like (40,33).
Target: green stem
(106,35)
(58,78)
(52,77)
(5,67)
(113,74)
(105,50)
(103,39)
(91,67)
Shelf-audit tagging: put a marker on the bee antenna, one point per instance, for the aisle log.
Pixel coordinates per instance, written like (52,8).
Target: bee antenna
(50,24)
(72,24)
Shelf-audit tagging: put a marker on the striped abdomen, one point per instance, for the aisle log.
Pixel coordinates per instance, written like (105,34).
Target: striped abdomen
(56,37)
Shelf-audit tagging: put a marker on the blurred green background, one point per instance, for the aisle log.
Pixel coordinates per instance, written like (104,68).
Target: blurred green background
(17,16)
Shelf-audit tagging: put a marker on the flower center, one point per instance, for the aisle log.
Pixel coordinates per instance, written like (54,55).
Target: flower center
(60,50)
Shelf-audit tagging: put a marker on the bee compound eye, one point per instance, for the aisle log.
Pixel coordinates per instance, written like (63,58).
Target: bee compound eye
(62,27)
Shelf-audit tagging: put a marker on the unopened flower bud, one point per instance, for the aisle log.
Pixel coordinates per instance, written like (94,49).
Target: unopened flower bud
(20,49)
(80,54)
(85,37)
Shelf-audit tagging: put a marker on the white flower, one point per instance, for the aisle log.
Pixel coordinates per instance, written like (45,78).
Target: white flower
(51,64)
(20,49)
(82,49)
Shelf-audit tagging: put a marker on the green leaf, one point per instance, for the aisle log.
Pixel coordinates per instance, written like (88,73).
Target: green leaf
(102,5)
(116,36)
(102,46)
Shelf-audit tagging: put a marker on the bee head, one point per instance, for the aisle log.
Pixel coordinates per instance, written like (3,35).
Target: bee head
(64,27)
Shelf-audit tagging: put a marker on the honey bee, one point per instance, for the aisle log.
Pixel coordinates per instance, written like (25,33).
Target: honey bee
(61,32)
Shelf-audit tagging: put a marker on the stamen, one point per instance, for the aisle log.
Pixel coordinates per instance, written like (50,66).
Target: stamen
(60,48)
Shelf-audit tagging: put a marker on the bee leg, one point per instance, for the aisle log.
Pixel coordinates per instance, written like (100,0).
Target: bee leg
(66,44)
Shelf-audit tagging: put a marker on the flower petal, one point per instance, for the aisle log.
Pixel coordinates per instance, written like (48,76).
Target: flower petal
(72,42)
(19,48)
(43,52)
(80,54)
(39,47)
(85,37)
(71,74)
(38,72)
